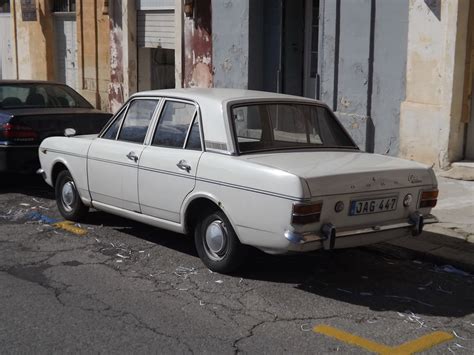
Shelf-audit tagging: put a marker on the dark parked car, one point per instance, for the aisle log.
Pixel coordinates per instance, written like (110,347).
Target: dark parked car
(31,111)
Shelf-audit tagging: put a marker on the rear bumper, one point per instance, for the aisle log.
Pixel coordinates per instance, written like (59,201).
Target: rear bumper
(329,237)
(19,159)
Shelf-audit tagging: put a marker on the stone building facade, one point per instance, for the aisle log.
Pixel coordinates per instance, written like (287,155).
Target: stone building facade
(399,74)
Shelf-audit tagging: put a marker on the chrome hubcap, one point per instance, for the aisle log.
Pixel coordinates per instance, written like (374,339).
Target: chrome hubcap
(68,195)
(216,240)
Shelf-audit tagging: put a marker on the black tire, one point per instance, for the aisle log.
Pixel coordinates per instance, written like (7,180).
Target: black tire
(227,255)
(68,201)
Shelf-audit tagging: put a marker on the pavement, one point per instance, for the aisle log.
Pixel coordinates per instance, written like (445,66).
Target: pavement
(111,285)
(451,241)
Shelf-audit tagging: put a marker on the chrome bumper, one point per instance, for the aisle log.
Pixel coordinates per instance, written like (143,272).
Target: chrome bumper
(42,173)
(329,233)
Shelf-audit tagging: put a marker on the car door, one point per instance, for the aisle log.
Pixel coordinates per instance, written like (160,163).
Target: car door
(113,158)
(168,165)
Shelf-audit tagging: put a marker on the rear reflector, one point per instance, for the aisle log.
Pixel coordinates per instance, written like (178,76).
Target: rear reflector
(18,133)
(429,198)
(306,213)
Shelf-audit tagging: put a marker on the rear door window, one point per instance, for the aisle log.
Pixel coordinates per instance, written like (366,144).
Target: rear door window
(174,124)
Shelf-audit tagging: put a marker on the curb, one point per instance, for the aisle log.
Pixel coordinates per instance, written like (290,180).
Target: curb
(440,254)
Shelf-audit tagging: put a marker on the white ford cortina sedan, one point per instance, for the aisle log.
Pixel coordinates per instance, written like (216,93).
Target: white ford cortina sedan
(239,168)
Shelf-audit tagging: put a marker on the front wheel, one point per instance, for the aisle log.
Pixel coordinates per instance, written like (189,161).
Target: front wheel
(67,198)
(217,244)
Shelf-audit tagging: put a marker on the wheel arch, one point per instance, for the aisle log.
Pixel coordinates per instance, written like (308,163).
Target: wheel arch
(58,166)
(199,203)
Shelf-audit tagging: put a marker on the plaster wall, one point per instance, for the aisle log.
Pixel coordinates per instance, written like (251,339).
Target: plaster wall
(431,130)
(123,52)
(93,52)
(197,46)
(35,43)
(362,68)
(230,39)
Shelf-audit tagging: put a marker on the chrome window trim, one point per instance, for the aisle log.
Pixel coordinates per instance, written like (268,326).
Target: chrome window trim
(157,99)
(197,112)
(112,120)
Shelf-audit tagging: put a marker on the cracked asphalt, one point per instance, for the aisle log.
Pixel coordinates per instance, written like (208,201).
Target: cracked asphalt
(125,287)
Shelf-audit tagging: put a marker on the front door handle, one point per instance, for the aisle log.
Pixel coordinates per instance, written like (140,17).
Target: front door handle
(183,165)
(132,156)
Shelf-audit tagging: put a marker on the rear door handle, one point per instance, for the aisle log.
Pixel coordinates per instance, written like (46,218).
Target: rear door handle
(183,165)
(132,156)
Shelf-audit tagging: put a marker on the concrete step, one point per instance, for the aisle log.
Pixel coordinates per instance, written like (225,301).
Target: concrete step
(462,170)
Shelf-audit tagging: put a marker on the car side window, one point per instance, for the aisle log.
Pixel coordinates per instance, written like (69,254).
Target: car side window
(111,132)
(174,124)
(194,138)
(135,124)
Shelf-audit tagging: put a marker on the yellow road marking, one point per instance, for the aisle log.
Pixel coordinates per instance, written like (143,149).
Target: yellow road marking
(70,227)
(411,347)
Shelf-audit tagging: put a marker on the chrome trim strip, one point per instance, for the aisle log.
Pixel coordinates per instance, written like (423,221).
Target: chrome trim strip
(308,237)
(3,145)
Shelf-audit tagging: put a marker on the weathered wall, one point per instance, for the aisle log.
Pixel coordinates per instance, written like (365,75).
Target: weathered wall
(123,52)
(197,43)
(93,52)
(7,47)
(362,68)
(230,41)
(35,43)
(430,124)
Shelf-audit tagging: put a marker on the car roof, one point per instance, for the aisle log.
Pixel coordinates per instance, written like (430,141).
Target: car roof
(13,82)
(220,95)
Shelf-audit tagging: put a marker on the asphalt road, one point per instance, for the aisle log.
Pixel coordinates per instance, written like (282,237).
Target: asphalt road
(124,287)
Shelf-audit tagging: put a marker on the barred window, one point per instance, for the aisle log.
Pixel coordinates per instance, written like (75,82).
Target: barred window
(64,5)
(4,6)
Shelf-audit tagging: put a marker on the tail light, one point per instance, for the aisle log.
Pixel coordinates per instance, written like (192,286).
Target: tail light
(17,133)
(428,198)
(306,213)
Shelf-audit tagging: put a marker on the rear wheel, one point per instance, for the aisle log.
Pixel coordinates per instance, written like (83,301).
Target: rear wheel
(217,244)
(67,198)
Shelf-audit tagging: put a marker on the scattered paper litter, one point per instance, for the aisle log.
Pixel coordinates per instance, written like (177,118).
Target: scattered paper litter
(118,261)
(219,281)
(439,288)
(141,251)
(184,272)
(452,270)
(123,256)
(460,337)
(305,327)
(410,299)
(201,303)
(25,204)
(34,199)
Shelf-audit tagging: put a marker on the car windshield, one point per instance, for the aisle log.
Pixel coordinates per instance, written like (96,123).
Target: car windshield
(39,96)
(262,127)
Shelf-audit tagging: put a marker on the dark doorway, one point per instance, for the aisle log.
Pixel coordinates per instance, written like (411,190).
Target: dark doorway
(293,47)
(283,47)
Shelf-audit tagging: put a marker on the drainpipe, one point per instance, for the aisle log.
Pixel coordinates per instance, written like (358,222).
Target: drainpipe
(15,39)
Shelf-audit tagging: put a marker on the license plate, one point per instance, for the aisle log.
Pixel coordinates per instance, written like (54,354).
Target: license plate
(374,205)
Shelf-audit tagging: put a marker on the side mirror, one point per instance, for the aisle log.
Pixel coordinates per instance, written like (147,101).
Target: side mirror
(69,132)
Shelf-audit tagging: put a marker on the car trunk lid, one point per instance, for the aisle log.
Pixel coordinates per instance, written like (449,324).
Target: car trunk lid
(330,172)
(53,122)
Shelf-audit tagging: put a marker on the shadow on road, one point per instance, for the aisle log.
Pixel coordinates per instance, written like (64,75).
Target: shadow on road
(356,276)
(30,185)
